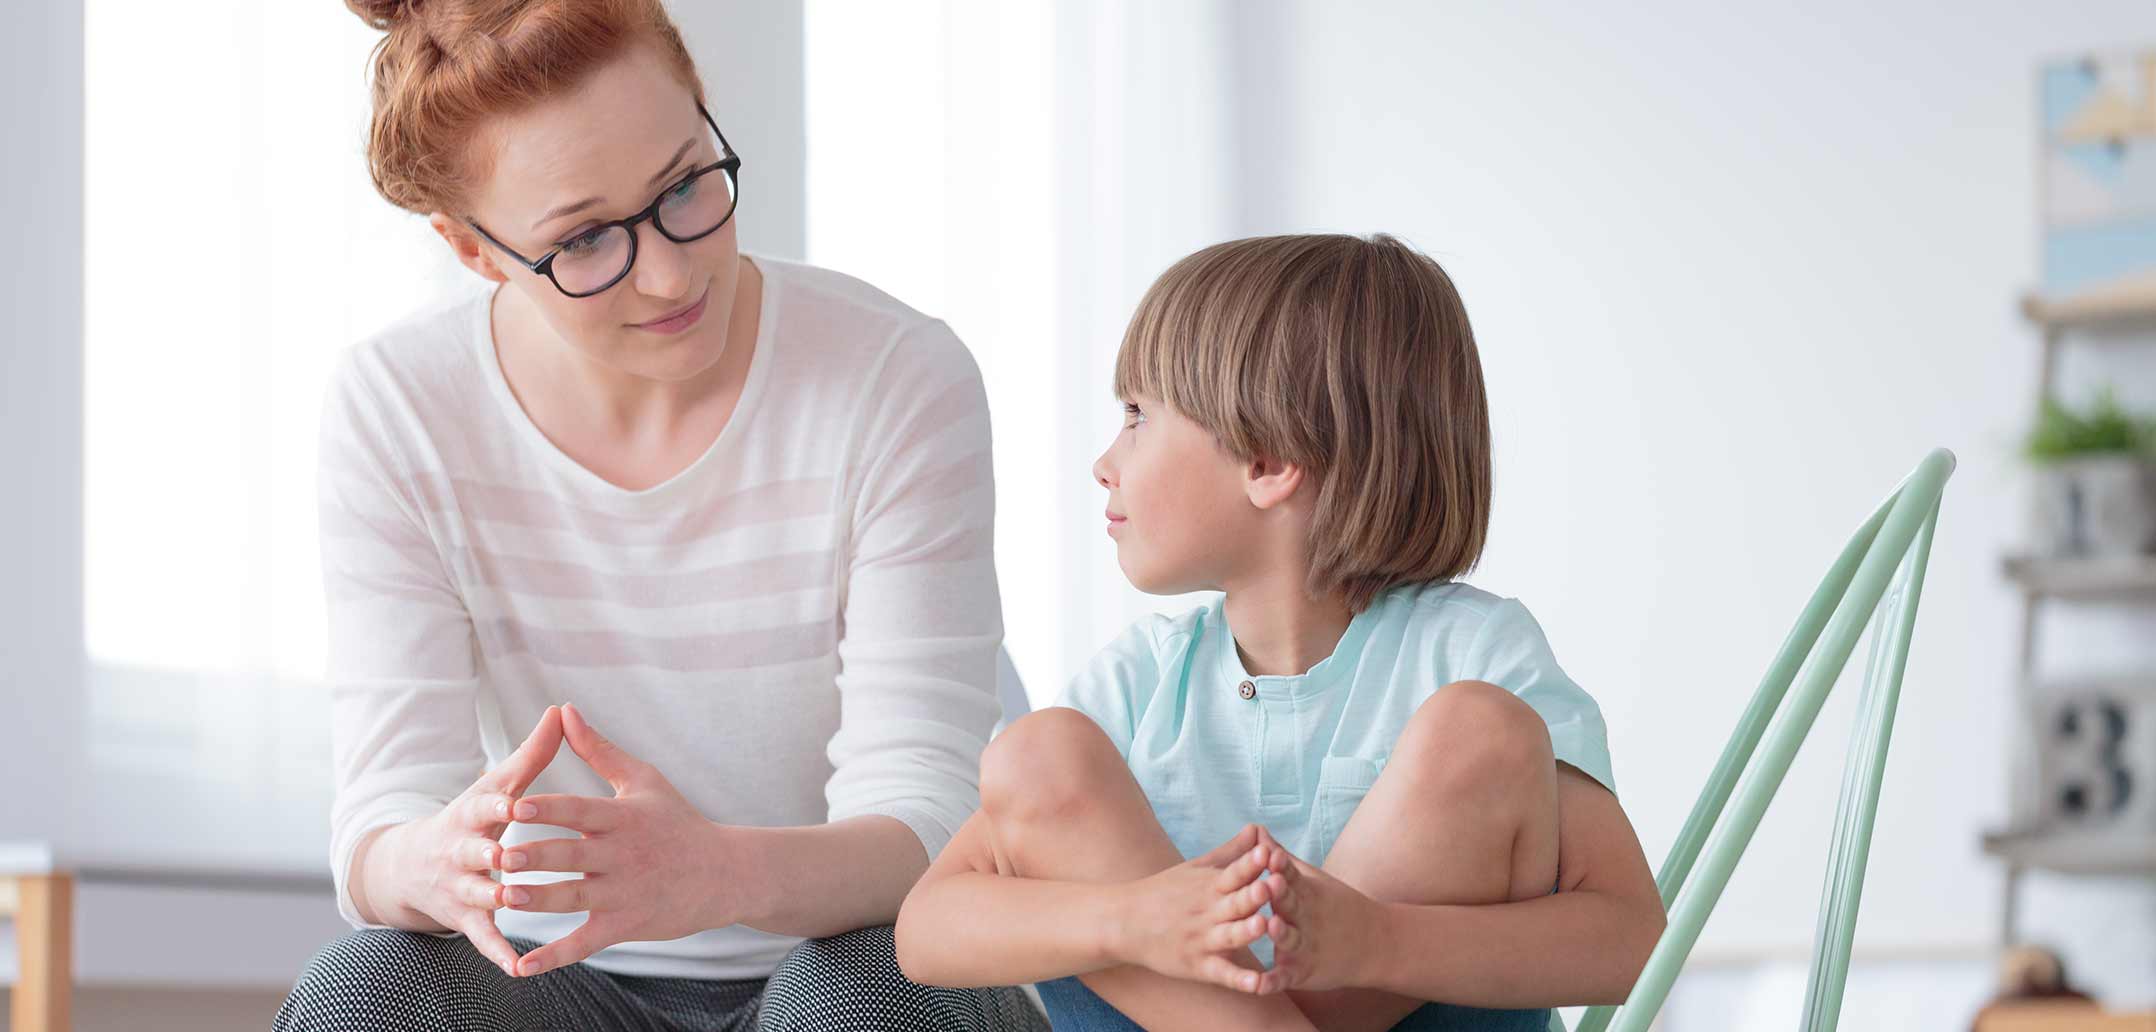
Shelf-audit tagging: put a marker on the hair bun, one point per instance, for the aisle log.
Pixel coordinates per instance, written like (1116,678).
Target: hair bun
(384,14)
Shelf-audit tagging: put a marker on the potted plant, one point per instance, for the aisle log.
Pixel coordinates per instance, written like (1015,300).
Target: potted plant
(2095,489)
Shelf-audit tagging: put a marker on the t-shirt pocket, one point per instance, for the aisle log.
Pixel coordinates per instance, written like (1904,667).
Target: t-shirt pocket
(1342,783)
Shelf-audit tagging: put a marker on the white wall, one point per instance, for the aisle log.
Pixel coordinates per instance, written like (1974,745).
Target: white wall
(1732,271)
(749,55)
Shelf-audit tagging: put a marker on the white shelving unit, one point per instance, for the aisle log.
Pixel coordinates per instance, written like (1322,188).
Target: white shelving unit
(2116,319)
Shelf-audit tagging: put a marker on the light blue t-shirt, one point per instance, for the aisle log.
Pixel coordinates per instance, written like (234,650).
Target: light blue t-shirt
(1298,754)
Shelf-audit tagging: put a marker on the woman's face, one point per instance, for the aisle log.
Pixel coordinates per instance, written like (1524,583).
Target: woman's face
(605,151)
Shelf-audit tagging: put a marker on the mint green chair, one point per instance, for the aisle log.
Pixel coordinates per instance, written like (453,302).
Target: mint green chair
(1856,589)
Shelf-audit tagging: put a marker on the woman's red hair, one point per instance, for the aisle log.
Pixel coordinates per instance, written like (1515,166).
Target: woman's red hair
(446,67)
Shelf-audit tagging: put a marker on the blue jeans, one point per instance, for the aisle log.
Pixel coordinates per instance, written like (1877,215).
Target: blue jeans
(1074,1008)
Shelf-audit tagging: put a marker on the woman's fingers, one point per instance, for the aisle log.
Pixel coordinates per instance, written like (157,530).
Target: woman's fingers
(516,773)
(606,759)
(478,926)
(475,890)
(587,814)
(574,896)
(569,949)
(478,854)
(574,855)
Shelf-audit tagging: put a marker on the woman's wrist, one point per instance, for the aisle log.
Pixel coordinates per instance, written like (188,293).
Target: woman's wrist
(735,869)
(374,868)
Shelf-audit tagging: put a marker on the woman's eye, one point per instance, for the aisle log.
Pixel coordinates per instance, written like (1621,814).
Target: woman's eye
(682,191)
(1132,416)
(582,244)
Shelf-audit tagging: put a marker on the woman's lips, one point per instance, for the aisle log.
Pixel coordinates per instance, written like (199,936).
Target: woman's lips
(1116,522)
(678,321)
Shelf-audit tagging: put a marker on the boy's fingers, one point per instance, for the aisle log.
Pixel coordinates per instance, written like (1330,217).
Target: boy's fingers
(1232,848)
(1282,894)
(1243,902)
(1223,972)
(1243,871)
(1286,937)
(1234,935)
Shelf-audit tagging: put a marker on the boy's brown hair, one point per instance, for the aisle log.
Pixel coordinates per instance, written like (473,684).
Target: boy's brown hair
(1351,358)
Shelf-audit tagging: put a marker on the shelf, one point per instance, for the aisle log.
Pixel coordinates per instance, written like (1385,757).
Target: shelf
(2075,851)
(2084,577)
(2122,305)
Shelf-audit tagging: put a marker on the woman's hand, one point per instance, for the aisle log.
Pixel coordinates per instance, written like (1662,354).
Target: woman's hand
(437,867)
(1190,920)
(654,867)
(1322,928)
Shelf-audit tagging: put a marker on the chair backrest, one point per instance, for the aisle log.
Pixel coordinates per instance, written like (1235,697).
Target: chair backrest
(1897,536)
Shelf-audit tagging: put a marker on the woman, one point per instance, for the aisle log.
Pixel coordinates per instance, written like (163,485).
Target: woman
(735,511)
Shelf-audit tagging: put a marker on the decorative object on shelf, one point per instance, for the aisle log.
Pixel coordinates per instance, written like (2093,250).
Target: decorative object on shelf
(2095,480)
(2099,171)
(2096,757)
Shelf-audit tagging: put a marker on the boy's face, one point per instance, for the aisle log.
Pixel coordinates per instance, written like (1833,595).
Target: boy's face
(1177,504)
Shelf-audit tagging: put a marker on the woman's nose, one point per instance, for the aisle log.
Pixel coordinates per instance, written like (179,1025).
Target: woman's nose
(662,266)
(1102,473)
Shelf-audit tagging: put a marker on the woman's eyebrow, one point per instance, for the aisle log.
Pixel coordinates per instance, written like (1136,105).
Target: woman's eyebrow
(577,206)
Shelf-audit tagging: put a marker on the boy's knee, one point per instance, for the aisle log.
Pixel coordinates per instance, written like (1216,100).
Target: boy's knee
(1045,764)
(1471,737)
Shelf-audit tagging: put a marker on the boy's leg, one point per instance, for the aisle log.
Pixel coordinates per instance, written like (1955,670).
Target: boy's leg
(1061,805)
(1464,812)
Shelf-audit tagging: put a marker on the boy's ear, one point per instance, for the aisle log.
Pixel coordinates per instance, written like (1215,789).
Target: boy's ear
(470,250)
(1269,483)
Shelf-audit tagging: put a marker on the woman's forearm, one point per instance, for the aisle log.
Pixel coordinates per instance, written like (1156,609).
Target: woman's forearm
(1571,948)
(973,928)
(821,880)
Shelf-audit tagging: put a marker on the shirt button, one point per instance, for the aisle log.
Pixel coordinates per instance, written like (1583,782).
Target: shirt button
(1247,690)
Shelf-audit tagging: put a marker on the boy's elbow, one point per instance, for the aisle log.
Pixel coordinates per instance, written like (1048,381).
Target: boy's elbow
(1645,934)
(917,958)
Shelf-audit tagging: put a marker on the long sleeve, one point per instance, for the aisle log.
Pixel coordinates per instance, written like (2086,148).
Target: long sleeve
(922,619)
(401,670)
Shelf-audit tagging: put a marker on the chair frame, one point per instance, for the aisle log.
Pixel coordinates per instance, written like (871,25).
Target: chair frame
(1877,579)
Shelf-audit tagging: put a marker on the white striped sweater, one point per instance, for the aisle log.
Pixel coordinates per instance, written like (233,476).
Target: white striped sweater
(800,627)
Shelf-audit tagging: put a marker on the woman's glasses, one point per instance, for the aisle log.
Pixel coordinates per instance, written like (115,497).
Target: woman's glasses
(694,207)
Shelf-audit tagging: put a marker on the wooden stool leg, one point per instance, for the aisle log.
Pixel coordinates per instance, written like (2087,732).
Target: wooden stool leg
(45,952)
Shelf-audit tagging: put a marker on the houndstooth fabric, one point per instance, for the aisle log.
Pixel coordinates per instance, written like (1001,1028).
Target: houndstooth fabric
(377,980)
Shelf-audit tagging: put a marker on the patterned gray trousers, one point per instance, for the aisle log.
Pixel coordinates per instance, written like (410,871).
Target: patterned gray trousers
(377,980)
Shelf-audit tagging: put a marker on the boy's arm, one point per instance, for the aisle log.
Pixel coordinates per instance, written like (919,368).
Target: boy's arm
(964,924)
(1584,945)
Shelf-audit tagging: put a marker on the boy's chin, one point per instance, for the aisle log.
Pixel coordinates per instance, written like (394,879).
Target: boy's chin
(1158,582)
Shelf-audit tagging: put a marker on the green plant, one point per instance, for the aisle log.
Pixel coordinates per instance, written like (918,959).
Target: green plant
(2103,428)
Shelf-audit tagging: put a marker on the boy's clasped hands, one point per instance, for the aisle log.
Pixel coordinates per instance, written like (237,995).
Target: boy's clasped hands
(1196,920)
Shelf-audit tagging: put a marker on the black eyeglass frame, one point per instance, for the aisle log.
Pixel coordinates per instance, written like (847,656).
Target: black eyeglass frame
(729,163)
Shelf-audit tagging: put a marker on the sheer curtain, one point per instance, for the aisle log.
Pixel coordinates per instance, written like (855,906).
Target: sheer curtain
(1023,170)
(233,246)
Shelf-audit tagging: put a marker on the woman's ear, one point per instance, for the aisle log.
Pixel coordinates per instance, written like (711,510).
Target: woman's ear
(470,250)
(1269,483)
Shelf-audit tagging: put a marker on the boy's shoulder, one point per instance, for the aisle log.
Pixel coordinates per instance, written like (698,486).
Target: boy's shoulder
(1443,606)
